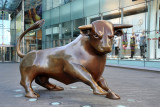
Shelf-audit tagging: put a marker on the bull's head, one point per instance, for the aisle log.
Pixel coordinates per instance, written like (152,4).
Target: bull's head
(101,34)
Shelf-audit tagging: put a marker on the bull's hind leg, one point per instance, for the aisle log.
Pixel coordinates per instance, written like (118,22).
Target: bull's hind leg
(44,82)
(26,81)
(80,73)
(102,83)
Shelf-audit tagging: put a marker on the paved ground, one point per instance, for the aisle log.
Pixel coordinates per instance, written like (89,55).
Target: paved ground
(137,88)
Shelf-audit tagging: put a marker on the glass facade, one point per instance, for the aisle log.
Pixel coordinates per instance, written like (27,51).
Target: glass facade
(4,28)
(139,43)
(7,50)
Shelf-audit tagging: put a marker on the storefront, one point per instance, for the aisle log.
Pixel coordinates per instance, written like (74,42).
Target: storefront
(28,12)
(7,53)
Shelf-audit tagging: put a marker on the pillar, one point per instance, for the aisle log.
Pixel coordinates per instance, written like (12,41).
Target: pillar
(151,28)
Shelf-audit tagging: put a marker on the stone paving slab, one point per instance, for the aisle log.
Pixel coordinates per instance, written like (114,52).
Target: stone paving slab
(137,88)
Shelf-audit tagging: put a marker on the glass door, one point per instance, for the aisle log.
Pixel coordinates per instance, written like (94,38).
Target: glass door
(6,54)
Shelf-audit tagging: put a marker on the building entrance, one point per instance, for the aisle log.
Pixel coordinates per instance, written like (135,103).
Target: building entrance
(7,53)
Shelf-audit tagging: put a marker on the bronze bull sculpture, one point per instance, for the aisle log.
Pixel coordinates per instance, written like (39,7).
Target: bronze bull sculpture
(81,60)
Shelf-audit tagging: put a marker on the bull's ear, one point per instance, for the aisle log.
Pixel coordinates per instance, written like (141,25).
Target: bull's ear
(85,29)
(121,26)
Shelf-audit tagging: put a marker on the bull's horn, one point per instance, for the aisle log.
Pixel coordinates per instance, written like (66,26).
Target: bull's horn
(122,26)
(84,27)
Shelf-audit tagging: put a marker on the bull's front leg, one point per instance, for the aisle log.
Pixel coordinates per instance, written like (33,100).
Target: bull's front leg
(103,84)
(79,72)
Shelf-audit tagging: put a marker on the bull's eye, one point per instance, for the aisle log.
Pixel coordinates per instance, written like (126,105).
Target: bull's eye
(96,36)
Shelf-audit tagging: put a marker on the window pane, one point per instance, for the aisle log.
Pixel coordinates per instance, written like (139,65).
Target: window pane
(76,9)
(115,15)
(66,30)
(56,3)
(134,40)
(55,15)
(91,7)
(13,31)
(126,3)
(65,13)
(43,5)
(46,17)
(77,23)
(55,30)
(48,41)
(49,31)
(48,38)
(48,4)
(113,5)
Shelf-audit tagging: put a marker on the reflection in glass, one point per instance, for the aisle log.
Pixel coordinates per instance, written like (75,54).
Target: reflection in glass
(136,16)
(76,24)
(66,30)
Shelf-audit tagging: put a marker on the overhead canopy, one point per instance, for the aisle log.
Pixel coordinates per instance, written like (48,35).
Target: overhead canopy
(122,26)
(9,5)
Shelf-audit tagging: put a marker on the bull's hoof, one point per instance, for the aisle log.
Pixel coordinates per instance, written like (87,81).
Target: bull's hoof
(56,88)
(113,96)
(32,95)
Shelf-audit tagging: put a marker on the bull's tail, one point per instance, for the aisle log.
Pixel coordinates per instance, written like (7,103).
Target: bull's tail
(36,25)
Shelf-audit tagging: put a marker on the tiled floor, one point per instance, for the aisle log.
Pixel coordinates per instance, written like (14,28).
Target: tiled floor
(137,88)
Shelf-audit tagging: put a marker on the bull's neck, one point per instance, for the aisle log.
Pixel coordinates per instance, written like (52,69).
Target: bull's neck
(87,56)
